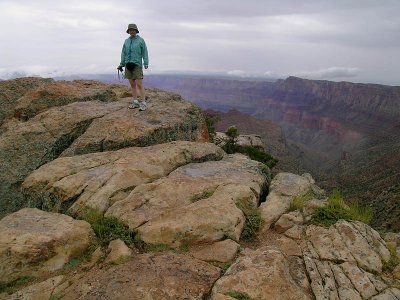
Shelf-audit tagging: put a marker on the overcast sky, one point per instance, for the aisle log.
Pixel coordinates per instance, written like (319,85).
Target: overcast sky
(352,40)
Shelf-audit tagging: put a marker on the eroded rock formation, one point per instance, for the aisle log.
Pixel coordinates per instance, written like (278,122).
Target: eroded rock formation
(186,200)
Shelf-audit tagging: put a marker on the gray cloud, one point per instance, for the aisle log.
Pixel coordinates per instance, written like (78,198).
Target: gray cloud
(357,39)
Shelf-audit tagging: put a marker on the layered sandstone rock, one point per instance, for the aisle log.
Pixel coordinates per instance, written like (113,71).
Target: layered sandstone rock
(98,180)
(86,127)
(61,93)
(148,276)
(34,243)
(172,205)
(12,90)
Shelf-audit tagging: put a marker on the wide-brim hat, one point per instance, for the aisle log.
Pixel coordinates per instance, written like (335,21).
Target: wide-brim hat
(132,26)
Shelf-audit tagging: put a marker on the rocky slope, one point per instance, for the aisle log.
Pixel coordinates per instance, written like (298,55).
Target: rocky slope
(67,121)
(188,205)
(345,134)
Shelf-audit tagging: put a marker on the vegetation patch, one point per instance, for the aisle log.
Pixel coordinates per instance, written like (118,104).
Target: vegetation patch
(73,263)
(258,154)
(239,295)
(337,209)
(389,266)
(253,222)
(11,287)
(108,228)
(203,195)
(299,202)
(211,120)
(223,266)
(253,152)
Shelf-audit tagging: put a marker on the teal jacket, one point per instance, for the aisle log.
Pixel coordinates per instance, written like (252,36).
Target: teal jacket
(134,50)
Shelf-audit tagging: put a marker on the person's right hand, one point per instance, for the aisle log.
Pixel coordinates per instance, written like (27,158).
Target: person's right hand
(120,68)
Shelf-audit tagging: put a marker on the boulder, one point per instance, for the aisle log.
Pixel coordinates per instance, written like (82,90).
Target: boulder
(118,252)
(288,220)
(261,274)
(223,251)
(148,276)
(295,232)
(34,242)
(205,221)
(283,188)
(195,182)
(97,180)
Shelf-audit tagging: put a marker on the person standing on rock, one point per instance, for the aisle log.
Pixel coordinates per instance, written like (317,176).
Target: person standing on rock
(134,51)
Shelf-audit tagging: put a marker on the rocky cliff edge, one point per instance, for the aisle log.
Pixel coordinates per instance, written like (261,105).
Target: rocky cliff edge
(72,147)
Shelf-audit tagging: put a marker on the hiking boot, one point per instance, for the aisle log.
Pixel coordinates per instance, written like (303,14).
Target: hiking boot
(134,104)
(142,106)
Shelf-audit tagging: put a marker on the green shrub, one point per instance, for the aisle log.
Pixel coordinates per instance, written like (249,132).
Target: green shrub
(222,265)
(255,153)
(239,295)
(203,195)
(230,146)
(299,202)
(11,287)
(73,263)
(258,154)
(337,209)
(388,266)
(253,221)
(108,228)
(211,121)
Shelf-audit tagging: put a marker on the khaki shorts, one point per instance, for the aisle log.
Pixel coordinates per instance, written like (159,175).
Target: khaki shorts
(136,73)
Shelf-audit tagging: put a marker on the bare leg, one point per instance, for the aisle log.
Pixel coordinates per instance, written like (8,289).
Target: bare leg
(133,87)
(139,83)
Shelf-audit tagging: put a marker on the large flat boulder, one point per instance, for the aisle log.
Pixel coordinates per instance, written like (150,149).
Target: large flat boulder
(97,180)
(167,211)
(61,93)
(189,184)
(35,243)
(148,276)
(87,127)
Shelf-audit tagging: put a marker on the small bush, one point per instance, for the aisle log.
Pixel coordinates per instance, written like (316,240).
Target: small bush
(230,146)
(253,222)
(211,121)
(203,195)
(73,263)
(299,202)
(258,154)
(184,248)
(337,209)
(11,287)
(239,295)
(108,228)
(388,266)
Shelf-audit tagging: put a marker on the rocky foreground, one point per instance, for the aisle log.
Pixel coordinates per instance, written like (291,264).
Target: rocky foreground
(71,147)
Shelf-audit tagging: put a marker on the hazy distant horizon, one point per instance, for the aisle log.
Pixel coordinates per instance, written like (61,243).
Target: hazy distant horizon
(337,40)
(114,76)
